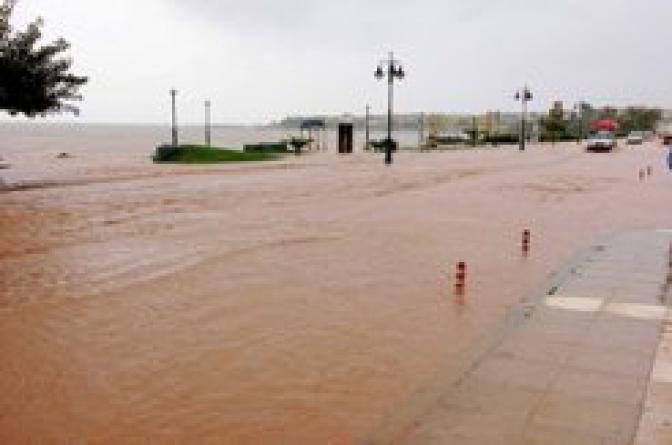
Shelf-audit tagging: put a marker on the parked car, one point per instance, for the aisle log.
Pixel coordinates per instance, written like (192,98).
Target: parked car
(602,141)
(635,138)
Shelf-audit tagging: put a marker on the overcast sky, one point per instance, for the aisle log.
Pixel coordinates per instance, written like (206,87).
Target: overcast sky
(259,60)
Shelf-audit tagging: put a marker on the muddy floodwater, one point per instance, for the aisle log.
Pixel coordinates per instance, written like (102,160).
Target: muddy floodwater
(293,302)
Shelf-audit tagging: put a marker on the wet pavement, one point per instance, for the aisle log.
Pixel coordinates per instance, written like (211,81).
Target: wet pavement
(570,368)
(656,425)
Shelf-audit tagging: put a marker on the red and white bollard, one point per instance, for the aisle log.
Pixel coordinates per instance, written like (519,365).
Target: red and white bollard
(527,238)
(460,278)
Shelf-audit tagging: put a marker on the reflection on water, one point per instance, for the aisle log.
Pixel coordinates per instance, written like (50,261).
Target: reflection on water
(259,304)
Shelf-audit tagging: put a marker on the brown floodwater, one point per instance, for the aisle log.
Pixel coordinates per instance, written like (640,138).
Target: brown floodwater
(295,302)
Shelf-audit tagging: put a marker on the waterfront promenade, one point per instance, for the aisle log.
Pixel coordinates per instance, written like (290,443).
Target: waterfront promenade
(580,365)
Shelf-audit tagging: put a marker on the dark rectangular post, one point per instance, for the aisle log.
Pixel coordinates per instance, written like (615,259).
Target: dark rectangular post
(345,136)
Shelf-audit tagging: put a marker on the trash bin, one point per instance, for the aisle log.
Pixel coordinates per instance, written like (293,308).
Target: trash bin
(345,137)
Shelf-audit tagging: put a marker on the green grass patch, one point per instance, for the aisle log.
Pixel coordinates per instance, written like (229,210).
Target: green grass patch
(198,154)
(267,147)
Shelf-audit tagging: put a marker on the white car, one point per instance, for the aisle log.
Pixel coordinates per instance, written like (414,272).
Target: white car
(602,141)
(635,138)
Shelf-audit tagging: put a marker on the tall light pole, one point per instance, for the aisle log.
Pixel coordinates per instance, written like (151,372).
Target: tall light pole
(524,95)
(173,94)
(579,124)
(208,131)
(367,127)
(393,70)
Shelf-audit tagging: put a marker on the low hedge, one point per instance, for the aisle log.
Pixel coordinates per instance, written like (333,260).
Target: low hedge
(267,147)
(197,154)
(446,140)
(506,138)
(561,137)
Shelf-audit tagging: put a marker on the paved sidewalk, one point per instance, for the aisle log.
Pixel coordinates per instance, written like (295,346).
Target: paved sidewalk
(572,368)
(656,425)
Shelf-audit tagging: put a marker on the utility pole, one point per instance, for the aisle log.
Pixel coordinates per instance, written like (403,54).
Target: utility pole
(208,131)
(421,130)
(175,141)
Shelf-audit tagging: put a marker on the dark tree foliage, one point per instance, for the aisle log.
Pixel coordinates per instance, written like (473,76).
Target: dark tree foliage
(639,118)
(35,79)
(608,112)
(554,127)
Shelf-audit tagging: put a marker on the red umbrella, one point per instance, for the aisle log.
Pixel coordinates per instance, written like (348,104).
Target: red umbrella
(603,125)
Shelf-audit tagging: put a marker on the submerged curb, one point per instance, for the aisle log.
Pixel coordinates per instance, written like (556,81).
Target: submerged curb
(573,366)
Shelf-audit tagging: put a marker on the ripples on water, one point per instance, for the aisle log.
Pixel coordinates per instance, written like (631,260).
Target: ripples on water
(293,305)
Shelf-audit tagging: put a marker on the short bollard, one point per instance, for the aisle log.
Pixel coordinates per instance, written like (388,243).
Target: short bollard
(461,278)
(461,274)
(527,236)
(460,283)
(649,171)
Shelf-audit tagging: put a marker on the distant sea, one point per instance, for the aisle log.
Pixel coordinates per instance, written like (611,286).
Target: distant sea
(133,137)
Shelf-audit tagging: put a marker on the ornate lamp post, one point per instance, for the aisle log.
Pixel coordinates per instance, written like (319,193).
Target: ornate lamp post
(523,95)
(391,69)
(173,94)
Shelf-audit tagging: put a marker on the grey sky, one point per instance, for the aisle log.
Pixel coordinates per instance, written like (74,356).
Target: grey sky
(259,60)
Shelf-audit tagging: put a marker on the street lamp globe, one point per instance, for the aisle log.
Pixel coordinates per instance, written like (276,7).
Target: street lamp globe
(379,73)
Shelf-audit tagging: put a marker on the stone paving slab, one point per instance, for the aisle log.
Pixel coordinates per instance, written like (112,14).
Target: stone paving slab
(656,425)
(576,369)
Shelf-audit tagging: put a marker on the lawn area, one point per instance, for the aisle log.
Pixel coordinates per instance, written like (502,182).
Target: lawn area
(199,154)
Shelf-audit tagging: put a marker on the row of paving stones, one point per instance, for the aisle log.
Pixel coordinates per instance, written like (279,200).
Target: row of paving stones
(573,369)
(656,425)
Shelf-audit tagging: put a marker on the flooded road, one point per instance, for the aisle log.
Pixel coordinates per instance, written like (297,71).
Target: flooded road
(294,302)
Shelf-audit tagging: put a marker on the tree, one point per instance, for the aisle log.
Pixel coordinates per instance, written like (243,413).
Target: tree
(639,119)
(34,79)
(553,126)
(608,112)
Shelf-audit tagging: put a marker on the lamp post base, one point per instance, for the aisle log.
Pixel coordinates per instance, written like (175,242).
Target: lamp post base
(390,147)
